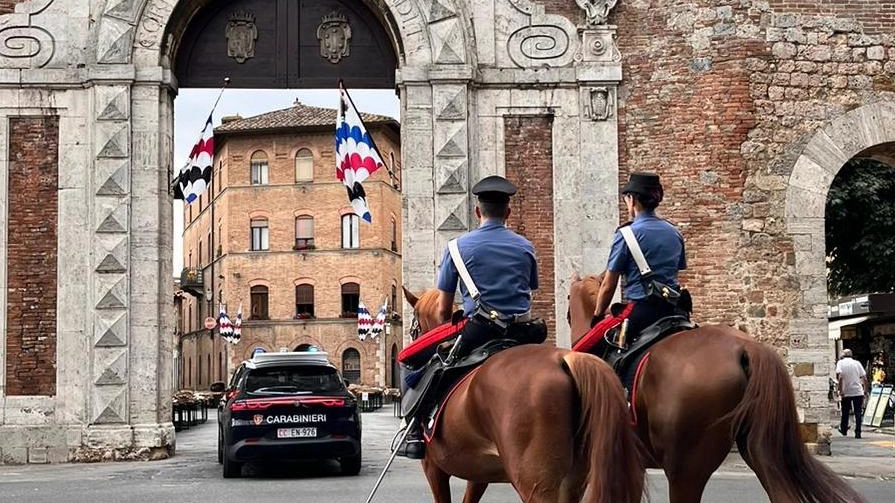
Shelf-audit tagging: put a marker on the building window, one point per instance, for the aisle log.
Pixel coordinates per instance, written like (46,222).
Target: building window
(260,234)
(394,236)
(351,365)
(199,371)
(210,252)
(259,168)
(208,367)
(350,299)
(189,260)
(200,254)
(259,303)
(189,372)
(350,231)
(220,366)
(304,301)
(394,298)
(189,320)
(304,166)
(304,232)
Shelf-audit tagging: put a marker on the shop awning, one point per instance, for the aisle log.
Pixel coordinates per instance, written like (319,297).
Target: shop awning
(836,325)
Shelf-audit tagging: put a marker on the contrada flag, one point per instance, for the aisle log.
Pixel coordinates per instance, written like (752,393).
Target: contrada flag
(364,321)
(195,176)
(356,154)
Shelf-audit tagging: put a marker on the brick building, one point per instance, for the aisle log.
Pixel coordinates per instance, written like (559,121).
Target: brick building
(275,234)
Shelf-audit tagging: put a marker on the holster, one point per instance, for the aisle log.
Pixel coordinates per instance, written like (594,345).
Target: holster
(489,317)
(661,291)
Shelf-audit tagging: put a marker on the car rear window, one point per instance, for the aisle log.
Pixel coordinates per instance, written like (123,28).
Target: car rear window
(293,380)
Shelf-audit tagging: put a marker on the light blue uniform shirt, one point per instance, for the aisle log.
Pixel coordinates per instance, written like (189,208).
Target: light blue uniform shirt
(502,265)
(662,245)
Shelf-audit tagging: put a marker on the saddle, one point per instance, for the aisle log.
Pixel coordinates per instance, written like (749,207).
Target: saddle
(625,360)
(432,383)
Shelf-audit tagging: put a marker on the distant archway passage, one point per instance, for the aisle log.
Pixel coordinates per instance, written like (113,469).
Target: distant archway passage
(281,44)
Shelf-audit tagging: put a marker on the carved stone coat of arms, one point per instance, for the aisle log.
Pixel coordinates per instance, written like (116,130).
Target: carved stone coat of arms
(334,34)
(241,36)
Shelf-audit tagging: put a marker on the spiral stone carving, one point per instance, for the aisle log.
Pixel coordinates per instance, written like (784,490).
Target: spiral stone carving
(543,42)
(21,43)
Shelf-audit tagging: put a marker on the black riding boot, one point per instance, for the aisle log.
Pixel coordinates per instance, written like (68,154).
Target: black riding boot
(414,447)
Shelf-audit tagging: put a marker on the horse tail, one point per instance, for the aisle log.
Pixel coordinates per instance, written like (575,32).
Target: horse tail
(615,472)
(766,428)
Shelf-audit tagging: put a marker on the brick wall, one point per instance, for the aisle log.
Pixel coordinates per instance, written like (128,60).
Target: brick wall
(8,6)
(31,256)
(684,113)
(720,99)
(529,165)
(875,16)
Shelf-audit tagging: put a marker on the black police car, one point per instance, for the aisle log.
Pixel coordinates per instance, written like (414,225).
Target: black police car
(291,407)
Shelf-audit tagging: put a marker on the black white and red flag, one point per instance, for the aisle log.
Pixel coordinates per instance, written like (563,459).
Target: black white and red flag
(195,176)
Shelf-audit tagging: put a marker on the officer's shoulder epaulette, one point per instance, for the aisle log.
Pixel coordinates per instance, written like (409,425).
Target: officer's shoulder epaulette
(629,222)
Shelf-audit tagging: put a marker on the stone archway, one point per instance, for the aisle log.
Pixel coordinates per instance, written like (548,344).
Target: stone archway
(139,37)
(469,99)
(806,196)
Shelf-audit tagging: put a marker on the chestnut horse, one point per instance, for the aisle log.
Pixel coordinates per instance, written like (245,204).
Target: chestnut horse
(703,389)
(549,421)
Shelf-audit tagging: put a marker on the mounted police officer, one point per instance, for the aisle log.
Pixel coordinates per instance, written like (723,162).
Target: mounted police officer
(652,289)
(501,271)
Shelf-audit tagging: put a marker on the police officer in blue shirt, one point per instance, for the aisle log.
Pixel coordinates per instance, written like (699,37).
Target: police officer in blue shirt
(503,268)
(500,262)
(663,247)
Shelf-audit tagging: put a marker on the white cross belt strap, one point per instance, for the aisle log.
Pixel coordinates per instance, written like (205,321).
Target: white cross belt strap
(636,252)
(461,268)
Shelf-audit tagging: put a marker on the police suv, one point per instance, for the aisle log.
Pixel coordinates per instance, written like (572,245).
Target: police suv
(291,407)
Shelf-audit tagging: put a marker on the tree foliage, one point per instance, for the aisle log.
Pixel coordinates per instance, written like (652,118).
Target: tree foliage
(860,229)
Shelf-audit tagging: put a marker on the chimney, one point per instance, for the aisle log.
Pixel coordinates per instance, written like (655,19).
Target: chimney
(230,118)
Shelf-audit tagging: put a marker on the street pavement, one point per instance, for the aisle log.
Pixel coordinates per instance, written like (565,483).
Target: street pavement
(194,475)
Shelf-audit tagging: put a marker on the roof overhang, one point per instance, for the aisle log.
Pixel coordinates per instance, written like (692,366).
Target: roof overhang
(835,326)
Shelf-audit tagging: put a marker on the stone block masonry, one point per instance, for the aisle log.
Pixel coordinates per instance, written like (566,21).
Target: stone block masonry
(32,256)
(529,165)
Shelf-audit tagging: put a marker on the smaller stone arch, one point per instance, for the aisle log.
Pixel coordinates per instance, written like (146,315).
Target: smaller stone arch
(828,150)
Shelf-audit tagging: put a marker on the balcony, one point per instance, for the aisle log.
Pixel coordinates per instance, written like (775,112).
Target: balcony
(192,281)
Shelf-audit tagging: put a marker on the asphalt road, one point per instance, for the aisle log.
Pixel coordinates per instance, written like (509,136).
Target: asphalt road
(194,475)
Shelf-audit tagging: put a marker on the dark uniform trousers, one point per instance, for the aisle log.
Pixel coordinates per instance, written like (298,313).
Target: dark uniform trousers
(646,312)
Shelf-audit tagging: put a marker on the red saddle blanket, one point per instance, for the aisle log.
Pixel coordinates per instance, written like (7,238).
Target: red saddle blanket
(419,351)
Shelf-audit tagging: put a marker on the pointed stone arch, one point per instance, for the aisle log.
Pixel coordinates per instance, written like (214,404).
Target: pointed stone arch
(806,195)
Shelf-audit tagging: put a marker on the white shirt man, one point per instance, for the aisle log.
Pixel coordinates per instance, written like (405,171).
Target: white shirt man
(852,385)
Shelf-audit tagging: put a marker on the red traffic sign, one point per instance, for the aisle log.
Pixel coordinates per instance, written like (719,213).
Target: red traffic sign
(210,323)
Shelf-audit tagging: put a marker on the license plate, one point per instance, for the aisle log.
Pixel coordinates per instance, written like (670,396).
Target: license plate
(296,432)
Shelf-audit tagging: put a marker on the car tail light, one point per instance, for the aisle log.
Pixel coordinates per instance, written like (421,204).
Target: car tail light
(230,394)
(254,405)
(325,402)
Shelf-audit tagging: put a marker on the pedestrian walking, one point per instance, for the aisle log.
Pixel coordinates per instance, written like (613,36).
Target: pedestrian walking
(852,390)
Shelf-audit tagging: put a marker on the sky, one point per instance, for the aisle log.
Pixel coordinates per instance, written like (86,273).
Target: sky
(191,109)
